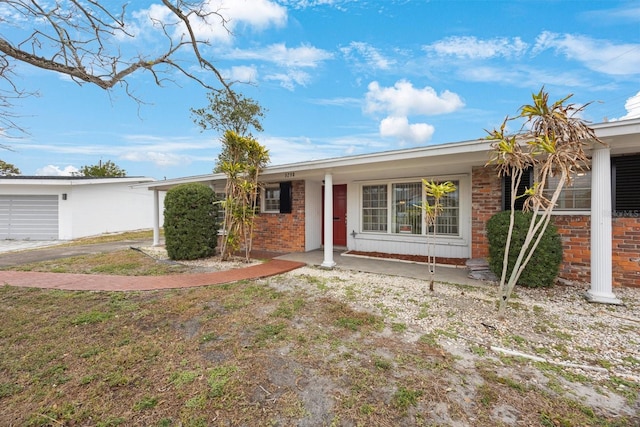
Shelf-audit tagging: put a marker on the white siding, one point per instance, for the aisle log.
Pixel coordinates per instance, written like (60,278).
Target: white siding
(313,215)
(450,247)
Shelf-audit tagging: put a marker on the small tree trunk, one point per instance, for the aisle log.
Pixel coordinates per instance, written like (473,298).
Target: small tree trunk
(537,225)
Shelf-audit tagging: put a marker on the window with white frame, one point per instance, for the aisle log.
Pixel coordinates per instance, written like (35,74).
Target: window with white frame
(396,208)
(406,211)
(574,197)
(374,208)
(271,199)
(448,221)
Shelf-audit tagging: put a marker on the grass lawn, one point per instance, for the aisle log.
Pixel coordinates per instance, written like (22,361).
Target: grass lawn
(248,354)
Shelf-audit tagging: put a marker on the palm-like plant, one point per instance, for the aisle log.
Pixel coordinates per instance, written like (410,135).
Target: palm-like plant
(434,191)
(552,140)
(241,161)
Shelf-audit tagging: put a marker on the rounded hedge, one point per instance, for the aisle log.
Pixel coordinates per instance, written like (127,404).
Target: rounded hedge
(190,228)
(543,267)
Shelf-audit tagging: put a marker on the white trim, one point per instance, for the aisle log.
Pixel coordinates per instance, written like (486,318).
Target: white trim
(328,261)
(263,199)
(601,229)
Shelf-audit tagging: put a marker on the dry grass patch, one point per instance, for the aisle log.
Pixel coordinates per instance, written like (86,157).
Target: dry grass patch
(253,353)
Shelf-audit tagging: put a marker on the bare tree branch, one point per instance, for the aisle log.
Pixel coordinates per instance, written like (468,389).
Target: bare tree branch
(87,41)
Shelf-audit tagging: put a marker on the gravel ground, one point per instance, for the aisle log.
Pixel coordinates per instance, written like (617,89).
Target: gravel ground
(555,324)
(589,344)
(588,347)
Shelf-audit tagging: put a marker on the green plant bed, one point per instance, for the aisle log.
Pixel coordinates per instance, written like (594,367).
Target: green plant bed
(543,267)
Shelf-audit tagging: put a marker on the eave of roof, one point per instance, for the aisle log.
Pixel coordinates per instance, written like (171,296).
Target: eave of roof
(607,131)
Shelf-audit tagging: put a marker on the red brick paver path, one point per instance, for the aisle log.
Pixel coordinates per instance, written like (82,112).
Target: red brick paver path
(94,282)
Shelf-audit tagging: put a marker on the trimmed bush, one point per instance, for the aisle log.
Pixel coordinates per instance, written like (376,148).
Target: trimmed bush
(190,228)
(543,267)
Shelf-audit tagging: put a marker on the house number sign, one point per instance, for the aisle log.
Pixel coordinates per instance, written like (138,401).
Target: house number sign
(289,174)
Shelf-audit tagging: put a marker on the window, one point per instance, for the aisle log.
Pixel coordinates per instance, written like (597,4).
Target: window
(220,197)
(407,213)
(374,208)
(448,221)
(576,196)
(625,172)
(525,182)
(405,209)
(271,199)
(277,198)
(572,198)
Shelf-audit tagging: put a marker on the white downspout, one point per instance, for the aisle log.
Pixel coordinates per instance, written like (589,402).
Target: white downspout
(601,229)
(328,222)
(156,218)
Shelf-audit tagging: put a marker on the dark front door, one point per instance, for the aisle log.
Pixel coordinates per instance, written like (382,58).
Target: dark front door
(339,215)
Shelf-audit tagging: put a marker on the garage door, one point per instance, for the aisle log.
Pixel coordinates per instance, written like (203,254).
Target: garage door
(29,217)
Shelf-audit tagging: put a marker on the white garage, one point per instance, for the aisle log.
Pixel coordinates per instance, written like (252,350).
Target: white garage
(65,208)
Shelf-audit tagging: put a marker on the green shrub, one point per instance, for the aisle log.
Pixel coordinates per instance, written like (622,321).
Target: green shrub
(543,267)
(190,228)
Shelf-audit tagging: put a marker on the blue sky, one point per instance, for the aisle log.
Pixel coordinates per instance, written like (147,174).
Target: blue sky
(340,77)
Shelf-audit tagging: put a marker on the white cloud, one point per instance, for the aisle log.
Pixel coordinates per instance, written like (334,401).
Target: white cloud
(403,99)
(372,56)
(598,55)
(216,21)
(473,48)
(632,105)
(290,62)
(244,74)
(157,158)
(399,127)
(304,56)
(524,76)
(290,79)
(51,170)
(259,14)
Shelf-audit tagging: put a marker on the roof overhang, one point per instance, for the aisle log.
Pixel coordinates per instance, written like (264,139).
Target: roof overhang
(432,160)
(71,181)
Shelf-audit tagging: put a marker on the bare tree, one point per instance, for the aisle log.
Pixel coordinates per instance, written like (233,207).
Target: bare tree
(87,41)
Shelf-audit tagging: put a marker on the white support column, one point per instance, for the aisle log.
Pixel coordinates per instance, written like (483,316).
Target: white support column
(156,218)
(328,222)
(601,234)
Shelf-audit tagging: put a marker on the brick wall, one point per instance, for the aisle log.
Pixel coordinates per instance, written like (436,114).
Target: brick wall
(486,200)
(276,232)
(626,251)
(575,231)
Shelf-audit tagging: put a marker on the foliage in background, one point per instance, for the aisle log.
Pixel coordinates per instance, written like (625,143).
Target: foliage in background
(543,267)
(551,141)
(229,111)
(432,207)
(242,159)
(190,228)
(8,169)
(102,170)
